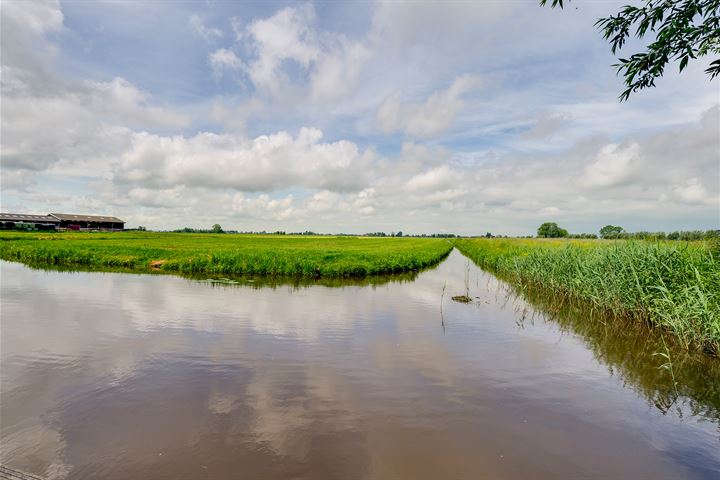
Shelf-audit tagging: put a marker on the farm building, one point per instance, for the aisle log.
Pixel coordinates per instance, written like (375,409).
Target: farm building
(26,221)
(88,222)
(59,221)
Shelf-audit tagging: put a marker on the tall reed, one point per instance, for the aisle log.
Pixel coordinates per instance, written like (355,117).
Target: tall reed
(673,285)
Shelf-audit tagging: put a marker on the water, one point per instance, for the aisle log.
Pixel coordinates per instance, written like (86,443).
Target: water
(119,376)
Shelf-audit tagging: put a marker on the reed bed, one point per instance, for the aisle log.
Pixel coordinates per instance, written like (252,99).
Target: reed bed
(671,285)
(225,254)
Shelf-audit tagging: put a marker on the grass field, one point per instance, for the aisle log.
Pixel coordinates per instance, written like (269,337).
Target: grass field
(225,254)
(673,285)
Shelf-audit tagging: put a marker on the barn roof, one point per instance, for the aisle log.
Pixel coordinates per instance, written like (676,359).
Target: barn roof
(85,218)
(24,217)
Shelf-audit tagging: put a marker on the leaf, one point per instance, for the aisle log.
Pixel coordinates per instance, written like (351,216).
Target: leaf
(683,63)
(714,69)
(683,29)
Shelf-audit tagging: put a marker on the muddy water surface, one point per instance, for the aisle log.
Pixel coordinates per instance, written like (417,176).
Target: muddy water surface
(118,376)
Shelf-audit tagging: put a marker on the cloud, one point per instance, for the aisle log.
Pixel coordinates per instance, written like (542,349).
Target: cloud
(547,125)
(288,51)
(90,120)
(285,36)
(612,166)
(263,206)
(156,198)
(39,17)
(440,178)
(265,163)
(49,119)
(693,192)
(19,180)
(549,211)
(325,201)
(26,54)
(224,60)
(237,27)
(199,29)
(426,119)
(337,186)
(337,70)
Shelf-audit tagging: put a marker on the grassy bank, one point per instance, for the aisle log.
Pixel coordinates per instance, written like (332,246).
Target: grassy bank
(242,255)
(673,285)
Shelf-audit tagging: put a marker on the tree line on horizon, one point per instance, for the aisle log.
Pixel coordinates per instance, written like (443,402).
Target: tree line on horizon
(546,230)
(616,232)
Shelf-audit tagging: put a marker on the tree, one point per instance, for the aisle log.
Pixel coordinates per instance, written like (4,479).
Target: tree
(684,30)
(611,231)
(551,230)
(217,228)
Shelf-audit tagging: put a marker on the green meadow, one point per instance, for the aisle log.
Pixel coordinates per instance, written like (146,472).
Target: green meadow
(671,285)
(225,254)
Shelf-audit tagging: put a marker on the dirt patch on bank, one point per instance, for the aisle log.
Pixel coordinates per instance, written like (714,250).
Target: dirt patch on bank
(157,264)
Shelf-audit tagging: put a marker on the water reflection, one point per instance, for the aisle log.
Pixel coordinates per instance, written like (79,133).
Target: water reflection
(243,280)
(142,376)
(646,359)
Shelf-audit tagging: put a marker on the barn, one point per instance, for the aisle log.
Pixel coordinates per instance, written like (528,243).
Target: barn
(88,222)
(27,221)
(60,221)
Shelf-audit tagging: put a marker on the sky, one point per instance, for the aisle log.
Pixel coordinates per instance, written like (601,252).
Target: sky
(352,117)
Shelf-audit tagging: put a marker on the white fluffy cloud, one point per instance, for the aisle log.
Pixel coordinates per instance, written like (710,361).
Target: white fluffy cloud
(90,120)
(266,163)
(286,36)
(613,165)
(327,202)
(337,69)
(329,63)
(263,205)
(440,178)
(26,55)
(429,118)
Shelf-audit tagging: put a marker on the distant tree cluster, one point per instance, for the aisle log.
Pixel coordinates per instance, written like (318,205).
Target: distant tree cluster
(611,232)
(616,232)
(686,235)
(582,235)
(551,230)
(401,234)
(440,235)
(214,229)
